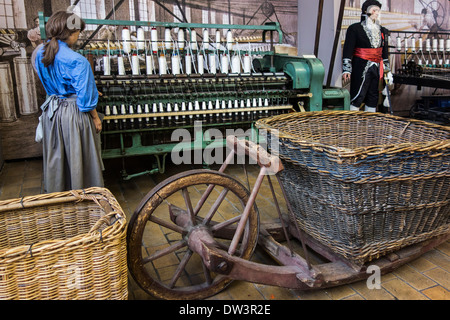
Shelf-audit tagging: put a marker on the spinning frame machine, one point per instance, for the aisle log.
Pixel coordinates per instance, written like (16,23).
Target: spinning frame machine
(425,55)
(425,62)
(425,58)
(167,79)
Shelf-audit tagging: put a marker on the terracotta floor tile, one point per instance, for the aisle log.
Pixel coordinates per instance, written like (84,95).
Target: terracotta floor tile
(414,278)
(437,293)
(425,278)
(371,294)
(439,275)
(402,291)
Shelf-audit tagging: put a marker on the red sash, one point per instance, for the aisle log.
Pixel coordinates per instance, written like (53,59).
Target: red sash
(371,54)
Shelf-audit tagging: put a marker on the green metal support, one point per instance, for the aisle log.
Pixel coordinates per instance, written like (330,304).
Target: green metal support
(272,26)
(160,168)
(42,21)
(284,80)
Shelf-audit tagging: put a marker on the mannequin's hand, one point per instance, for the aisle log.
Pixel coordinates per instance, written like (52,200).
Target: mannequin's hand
(98,124)
(346,77)
(389,78)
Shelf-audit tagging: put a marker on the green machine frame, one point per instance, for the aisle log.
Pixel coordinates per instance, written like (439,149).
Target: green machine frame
(296,82)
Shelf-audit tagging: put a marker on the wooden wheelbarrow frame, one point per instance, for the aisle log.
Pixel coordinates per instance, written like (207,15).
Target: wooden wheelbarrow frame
(294,271)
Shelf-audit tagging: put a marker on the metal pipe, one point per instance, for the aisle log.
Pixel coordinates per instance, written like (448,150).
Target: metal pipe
(318,28)
(100,26)
(336,40)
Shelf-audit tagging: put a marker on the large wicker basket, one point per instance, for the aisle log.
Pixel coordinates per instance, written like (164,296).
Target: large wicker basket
(67,245)
(364,184)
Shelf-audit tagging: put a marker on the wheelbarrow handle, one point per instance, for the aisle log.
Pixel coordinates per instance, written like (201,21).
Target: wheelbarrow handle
(255,152)
(220,262)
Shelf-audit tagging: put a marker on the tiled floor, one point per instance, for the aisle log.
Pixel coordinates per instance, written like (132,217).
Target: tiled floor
(426,278)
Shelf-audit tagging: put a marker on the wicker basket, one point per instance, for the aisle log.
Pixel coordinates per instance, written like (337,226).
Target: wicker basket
(364,184)
(67,245)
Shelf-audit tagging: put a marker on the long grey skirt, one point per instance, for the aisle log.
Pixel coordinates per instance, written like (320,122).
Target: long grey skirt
(71,149)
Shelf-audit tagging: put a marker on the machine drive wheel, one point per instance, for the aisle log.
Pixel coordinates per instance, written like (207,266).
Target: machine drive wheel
(159,257)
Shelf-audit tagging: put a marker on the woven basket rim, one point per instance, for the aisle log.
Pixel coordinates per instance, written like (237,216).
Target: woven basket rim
(93,194)
(342,152)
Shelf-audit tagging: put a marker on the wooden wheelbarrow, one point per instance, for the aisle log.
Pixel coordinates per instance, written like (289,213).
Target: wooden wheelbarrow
(196,231)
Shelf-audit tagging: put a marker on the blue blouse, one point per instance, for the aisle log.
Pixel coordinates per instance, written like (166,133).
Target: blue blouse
(69,74)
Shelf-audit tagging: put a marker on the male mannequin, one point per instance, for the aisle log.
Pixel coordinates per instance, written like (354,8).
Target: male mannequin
(365,57)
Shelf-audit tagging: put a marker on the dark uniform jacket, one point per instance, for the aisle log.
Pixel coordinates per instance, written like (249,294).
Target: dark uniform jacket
(359,36)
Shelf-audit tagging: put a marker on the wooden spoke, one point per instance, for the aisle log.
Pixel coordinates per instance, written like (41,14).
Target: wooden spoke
(160,253)
(167,224)
(225,224)
(180,268)
(207,274)
(214,208)
(188,203)
(167,230)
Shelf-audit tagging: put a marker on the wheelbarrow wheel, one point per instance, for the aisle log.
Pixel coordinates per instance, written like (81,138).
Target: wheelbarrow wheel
(159,257)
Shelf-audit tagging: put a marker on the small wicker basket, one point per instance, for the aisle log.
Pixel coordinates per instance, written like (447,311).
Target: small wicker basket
(63,246)
(364,184)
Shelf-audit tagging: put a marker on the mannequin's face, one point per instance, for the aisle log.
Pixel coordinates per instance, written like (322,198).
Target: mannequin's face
(374,12)
(73,38)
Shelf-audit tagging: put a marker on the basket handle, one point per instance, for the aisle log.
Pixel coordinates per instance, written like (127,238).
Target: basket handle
(110,216)
(256,152)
